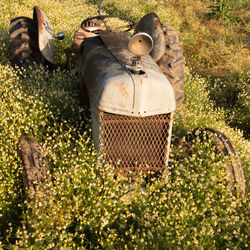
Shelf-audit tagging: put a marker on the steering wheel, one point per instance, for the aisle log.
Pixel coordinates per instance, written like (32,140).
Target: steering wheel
(103,18)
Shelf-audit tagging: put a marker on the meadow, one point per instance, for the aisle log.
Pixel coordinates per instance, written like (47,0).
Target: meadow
(84,206)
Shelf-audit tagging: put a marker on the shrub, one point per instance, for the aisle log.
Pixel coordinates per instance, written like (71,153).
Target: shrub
(225,8)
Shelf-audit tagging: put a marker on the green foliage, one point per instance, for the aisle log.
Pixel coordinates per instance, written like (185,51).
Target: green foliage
(225,8)
(233,97)
(84,206)
(87,207)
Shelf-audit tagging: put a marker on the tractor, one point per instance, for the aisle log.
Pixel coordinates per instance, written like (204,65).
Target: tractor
(132,80)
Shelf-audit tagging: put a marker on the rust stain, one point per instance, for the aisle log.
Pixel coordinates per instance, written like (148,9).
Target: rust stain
(40,20)
(157,21)
(79,36)
(122,89)
(44,34)
(82,34)
(133,144)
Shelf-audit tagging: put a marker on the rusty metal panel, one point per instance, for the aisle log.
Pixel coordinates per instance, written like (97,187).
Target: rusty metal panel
(113,88)
(81,34)
(44,34)
(117,44)
(135,144)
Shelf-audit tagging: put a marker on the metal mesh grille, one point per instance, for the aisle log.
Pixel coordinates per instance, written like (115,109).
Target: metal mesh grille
(131,143)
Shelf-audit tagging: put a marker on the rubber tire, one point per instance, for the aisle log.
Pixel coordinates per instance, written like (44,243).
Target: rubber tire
(35,168)
(23,43)
(225,148)
(172,62)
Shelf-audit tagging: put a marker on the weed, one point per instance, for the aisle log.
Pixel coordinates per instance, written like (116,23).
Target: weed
(225,9)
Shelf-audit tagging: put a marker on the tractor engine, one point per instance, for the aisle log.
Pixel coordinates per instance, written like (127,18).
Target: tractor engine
(131,101)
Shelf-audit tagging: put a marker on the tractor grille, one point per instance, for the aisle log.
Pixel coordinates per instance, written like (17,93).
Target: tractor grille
(135,144)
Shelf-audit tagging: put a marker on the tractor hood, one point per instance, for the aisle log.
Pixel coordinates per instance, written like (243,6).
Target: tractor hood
(115,86)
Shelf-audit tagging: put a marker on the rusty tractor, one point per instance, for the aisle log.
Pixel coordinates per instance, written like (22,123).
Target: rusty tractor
(133,79)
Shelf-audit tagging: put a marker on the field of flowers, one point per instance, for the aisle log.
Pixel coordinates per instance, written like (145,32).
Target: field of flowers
(84,206)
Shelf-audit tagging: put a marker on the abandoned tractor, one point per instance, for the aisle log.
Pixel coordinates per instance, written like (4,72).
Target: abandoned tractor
(133,83)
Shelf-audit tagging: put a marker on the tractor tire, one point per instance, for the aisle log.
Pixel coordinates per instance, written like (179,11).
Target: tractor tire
(23,43)
(35,169)
(172,62)
(224,148)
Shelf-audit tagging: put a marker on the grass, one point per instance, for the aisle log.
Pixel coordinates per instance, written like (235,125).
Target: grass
(85,206)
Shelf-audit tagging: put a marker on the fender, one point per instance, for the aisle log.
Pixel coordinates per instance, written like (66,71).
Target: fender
(151,25)
(44,34)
